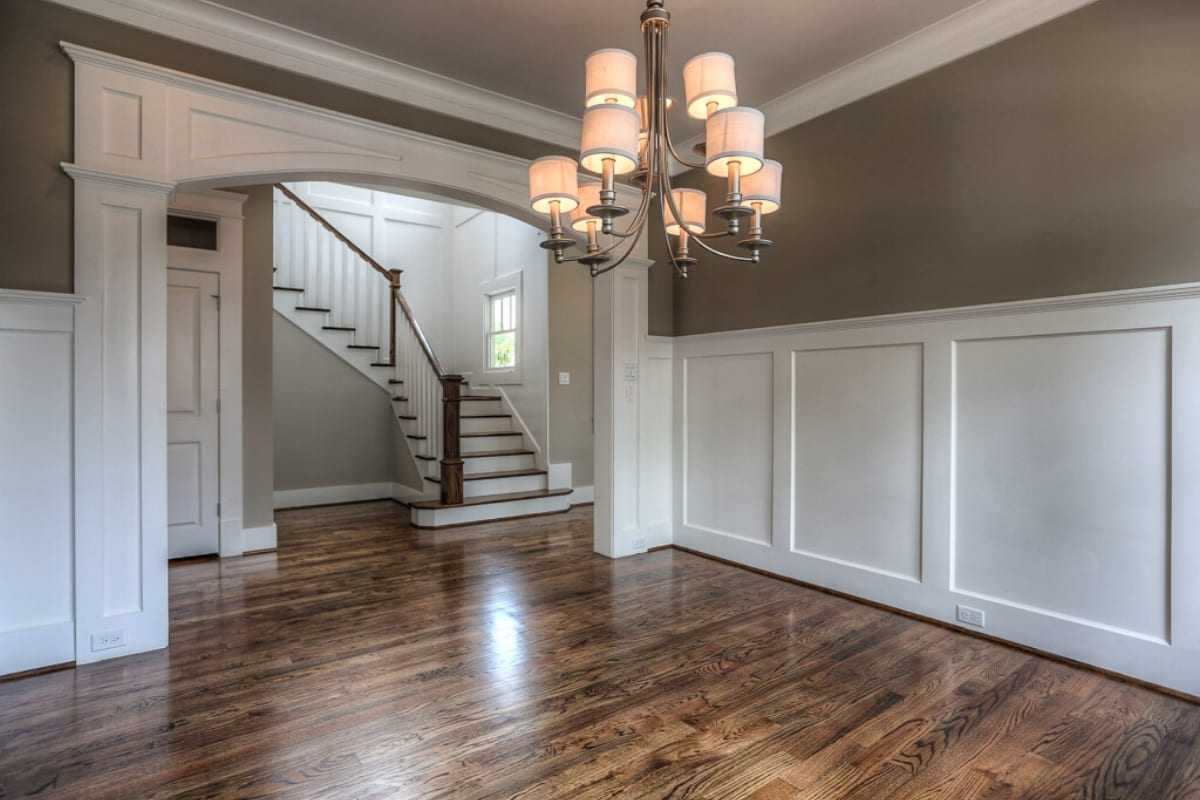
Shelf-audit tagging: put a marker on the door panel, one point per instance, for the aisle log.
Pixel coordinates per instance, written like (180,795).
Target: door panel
(192,420)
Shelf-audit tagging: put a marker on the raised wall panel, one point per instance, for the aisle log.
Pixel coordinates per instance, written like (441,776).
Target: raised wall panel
(655,443)
(121,124)
(856,456)
(728,440)
(36,575)
(1062,482)
(183,350)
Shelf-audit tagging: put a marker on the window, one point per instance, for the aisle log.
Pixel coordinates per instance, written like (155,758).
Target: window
(501,342)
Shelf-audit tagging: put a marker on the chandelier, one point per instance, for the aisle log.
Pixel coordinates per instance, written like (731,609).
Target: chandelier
(626,134)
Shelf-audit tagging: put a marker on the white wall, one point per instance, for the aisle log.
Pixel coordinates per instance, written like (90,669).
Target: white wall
(1037,461)
(493,253)
(37,615)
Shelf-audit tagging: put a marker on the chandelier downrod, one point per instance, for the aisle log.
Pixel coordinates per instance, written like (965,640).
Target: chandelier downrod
(628,135)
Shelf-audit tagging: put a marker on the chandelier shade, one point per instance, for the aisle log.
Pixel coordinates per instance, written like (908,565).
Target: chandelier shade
(610,132)
(764,187)
(553,178)
(735,135)
(611,77)
(589,196)
(626,133)
(709,78)
(690,203)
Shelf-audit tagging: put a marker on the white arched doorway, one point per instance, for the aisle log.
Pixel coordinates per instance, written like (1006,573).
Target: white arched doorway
(141,133)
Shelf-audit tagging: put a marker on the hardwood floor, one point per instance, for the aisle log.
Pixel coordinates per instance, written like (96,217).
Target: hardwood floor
(367,659)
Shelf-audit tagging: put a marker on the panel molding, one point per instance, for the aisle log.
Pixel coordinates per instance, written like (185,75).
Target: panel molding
(1172,661)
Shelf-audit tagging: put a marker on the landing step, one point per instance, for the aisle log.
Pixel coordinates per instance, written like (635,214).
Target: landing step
(314,308)
(287,288)
(494,453)
(484,435)
(488,499)
(336,328)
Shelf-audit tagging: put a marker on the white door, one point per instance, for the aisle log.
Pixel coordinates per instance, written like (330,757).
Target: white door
(192,436)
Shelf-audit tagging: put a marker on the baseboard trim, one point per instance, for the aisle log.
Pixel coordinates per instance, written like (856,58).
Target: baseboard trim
(329,495)
(582,495)
(259,538)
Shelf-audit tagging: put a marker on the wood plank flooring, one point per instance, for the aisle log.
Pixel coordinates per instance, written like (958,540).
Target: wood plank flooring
(367,659)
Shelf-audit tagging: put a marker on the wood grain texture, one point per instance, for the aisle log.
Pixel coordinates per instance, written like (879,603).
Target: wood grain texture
(369,659)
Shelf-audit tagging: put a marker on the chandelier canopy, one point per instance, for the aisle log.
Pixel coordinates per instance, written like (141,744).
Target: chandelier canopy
(626,134)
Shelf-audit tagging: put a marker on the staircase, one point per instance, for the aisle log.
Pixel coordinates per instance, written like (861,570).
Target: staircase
(476,462)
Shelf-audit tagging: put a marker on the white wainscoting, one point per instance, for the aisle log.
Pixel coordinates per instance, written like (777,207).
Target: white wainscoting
(37,613)
(1037,461)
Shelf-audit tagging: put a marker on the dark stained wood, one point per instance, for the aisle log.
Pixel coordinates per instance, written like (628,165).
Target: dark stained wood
(451,493)
(489,499)
(367,659)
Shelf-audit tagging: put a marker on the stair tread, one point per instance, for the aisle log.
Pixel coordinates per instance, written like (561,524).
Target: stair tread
(362,346)
(382,364)
(479,397)
(416,436)
(405,416)
(399,397)
(394,381)
(485,416)
(336,328)
(484,435)
(287,288)
(511,473)
(489,499)
(314,308)
(493,453)
(424,457)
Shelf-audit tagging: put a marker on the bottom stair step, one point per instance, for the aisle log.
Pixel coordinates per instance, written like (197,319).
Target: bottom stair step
(489,499)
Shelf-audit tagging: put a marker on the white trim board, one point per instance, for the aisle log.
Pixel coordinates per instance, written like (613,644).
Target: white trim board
(270,43)
(326,495)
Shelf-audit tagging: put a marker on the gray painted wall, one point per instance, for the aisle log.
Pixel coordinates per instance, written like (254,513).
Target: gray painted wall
(571,410)
(332,426)
(1065,160)
(258,477)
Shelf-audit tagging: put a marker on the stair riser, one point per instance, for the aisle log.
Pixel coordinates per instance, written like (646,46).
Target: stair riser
(487,444)
(482,407)
(520,483)
(436,518)
(488,425)
(474,466)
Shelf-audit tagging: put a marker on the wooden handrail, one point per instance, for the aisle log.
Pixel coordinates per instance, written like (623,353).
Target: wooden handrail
(375,265)
(393,278)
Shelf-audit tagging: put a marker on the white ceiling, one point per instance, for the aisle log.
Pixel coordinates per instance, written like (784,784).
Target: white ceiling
(534,50)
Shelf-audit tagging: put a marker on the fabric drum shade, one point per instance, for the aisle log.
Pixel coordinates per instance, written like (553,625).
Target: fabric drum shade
(764,186)
(708,78)
(611,77)
(735,134)
(610,131)
(690,203)
(552,178)
(589,195)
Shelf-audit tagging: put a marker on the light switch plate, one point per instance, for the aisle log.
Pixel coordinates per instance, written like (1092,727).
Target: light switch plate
(564,379)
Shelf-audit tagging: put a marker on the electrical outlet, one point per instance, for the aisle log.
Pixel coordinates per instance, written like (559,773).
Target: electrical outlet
(564,379)
(108,640)
(971,616)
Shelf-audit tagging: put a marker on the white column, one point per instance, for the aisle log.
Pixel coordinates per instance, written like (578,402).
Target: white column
(120,413)
(619,339)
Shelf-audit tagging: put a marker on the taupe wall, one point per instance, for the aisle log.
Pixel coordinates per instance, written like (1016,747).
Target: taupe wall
(1063,161)
(35,137)
(570,327)
(332,426)
(257,432)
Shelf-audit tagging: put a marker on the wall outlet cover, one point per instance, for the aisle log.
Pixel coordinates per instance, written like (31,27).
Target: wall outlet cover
(970,616)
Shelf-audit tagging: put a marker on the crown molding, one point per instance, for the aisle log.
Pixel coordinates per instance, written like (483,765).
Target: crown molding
(276,45)
(978,26)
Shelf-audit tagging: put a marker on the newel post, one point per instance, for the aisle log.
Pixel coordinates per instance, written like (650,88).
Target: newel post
(395,276)
(452,463)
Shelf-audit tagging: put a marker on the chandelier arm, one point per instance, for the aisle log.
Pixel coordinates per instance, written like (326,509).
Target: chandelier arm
(668,197)
(666,123)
